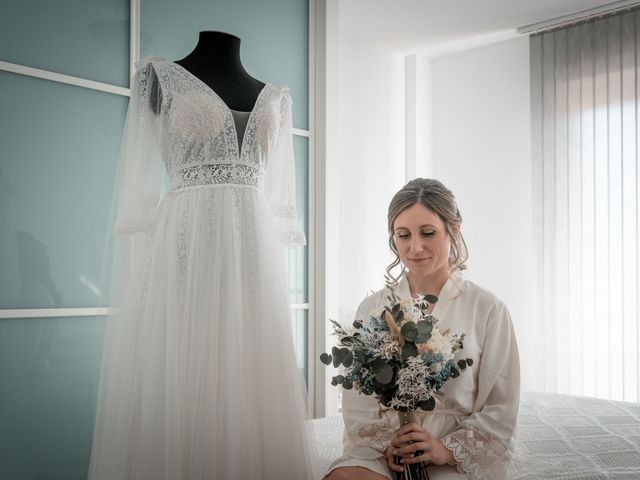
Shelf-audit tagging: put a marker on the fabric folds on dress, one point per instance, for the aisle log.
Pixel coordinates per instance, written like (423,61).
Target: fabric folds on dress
(199,378)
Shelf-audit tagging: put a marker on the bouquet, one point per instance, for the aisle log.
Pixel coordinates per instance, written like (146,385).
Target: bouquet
(402,357)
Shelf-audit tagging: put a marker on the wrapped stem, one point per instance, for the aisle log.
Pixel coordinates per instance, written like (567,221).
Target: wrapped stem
(414,471)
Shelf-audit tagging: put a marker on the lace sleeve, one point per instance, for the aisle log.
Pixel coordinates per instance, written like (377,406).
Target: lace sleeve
(139,181)
(280,180)
(137,189)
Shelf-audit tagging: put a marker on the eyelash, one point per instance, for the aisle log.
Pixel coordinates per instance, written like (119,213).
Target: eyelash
(404,236)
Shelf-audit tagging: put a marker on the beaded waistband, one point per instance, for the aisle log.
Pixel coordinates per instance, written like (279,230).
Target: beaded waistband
(215,174)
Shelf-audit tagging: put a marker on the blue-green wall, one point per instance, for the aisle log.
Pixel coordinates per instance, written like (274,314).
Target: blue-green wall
(58,149)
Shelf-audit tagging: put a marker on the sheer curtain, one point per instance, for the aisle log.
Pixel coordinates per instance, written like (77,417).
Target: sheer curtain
(585,85)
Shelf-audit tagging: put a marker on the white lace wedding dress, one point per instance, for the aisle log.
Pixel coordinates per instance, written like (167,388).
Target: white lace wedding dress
(199,378)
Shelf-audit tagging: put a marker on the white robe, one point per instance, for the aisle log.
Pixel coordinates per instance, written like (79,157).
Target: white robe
(478,417)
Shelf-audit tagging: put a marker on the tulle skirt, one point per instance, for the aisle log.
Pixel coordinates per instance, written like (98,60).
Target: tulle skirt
(199,377)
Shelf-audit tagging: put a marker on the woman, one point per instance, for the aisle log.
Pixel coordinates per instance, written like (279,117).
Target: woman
(470,433)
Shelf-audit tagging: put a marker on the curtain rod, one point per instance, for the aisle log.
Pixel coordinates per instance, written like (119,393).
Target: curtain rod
(581,16)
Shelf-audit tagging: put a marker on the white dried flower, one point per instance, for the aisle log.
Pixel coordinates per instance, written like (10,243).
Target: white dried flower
(389,346)
(412,384)
(438,342)
(411,311)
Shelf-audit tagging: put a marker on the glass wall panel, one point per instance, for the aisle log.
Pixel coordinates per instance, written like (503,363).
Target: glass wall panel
(49,369)
(297,258)
(300,325)
(274,37)
(83,38)
(58,151)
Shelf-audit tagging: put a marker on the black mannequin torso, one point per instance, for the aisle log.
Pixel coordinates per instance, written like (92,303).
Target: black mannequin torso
(216,61)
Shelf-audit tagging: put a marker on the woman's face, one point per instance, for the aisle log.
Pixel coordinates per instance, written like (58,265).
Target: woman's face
(422,241)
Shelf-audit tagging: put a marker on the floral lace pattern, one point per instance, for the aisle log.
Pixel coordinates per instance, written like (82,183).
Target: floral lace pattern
(376,436)
(217,174)
(201,130)
(183,122)
(475,451)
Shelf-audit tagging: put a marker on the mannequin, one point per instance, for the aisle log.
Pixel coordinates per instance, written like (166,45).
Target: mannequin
(216,61)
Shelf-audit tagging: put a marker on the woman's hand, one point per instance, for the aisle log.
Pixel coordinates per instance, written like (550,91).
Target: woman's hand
(412,438)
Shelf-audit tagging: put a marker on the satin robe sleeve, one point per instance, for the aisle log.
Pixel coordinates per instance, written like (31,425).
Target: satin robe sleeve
(368,427)
(483,443)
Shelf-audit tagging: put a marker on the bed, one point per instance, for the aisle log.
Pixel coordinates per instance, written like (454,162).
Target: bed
(559,437)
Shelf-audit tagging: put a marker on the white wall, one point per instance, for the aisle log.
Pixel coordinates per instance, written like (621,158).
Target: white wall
(477,102)
(481,151)
(365,167)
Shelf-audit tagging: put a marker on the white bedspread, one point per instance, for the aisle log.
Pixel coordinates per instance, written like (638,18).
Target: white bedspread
(559,437)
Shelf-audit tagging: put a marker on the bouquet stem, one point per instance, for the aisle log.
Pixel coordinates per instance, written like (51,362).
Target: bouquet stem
(413,471)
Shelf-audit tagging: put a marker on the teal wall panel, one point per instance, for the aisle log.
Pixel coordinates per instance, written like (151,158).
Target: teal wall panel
(58,150)
(83,38)
(274,37)
(48,375)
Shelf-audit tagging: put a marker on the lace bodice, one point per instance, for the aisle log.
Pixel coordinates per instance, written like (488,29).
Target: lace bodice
(178,125)
(198,134)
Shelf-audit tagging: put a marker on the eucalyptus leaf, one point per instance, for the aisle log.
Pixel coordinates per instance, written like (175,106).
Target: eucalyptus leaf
(469,361)
(409,331)
(462,364)
(347,359)
(378,365)
(326,358)
(357,324)
(431,298)
(384,375)
(337,359)
(424,329)
(409,350)
(428,405)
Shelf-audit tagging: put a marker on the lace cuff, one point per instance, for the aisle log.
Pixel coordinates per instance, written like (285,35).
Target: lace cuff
(375,436)
(475,451)
(291,234)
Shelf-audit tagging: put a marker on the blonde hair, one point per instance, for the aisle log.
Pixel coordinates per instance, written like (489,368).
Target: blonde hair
(433,195)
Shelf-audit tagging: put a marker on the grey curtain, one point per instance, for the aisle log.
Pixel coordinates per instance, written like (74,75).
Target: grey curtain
(584,92)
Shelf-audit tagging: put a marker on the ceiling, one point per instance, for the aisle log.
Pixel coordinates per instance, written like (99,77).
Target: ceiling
(411,25)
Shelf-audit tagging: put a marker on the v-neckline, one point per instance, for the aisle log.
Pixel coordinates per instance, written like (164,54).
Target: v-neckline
(451,289)
(238,146)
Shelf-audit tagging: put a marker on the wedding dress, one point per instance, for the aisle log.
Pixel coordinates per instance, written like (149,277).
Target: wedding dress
(199,378)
